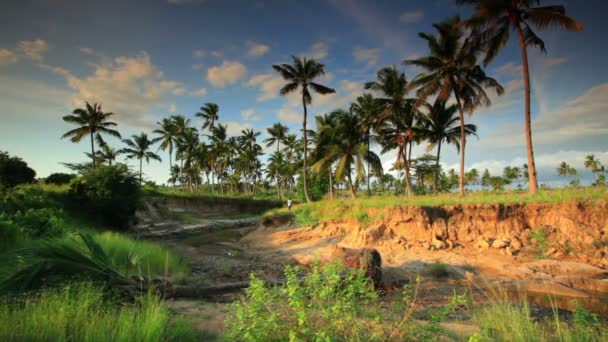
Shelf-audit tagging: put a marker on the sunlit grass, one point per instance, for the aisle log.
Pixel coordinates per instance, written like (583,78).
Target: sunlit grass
(344,209)
(81,312)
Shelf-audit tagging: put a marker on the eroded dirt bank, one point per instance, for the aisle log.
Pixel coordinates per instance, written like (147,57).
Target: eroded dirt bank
(558,249)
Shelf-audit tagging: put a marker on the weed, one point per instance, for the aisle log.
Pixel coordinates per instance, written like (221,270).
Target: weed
(439,270)
(540,237)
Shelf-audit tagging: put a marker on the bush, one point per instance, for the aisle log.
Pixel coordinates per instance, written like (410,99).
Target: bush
(14,171)
(23,198)
(59,178)
(109,193)
(41,223)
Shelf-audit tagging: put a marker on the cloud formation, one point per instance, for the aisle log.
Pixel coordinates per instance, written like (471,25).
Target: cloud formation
(368,56)
(317,51)
(33,49)
(8,57)
(227,73)
(411,17)
(257,49)
(268,84)
(234,128)
(248,114)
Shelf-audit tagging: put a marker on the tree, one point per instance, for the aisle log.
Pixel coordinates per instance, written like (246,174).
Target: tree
(367,108)
(348,149)
(138,147)
(107,154)
(59,178)
(441,125)
(596,167)
(14,171)
(167,135)
(472,177)
(301,75)
(485,178)
(493,20)
(210,113)
(565,170)
(91,121)
(396,117)
(452,69)
(277,134)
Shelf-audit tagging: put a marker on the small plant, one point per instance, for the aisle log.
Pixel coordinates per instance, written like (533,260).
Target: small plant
(439,270)
(306,218)
(540,237)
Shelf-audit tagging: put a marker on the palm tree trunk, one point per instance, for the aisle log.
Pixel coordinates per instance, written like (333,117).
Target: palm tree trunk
(462,146)
(140,172)
(353,194)
(305,150)
(533,183)
(171,164)
(408,179)
(436,180)
(331,184)
(93,149)
(369,190)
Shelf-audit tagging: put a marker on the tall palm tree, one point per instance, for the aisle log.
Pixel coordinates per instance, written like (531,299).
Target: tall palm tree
(107,154)
(278,132)
(367,108)
(326,137)
(494,19)
(138,147)
(275,169)
(210,113)
(452,69)
(301,75)
(167,135)
(441,125)
(187,148)
(349,150)
(91,121)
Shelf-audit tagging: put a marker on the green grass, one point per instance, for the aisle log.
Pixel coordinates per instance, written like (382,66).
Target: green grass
(81,312)
(142,258)
(357,209)
(260,196)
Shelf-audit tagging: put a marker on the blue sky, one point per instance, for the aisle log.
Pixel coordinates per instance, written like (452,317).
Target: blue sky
(147,59)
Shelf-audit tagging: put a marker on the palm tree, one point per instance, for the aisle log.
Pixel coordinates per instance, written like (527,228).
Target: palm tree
(441,125)
(452,69)
(275,169)
(565,170)
(278,133)
(107,154)
(209,112)
(367,108)
(326,137)
(187,148)
(349,150)
(91,121)
(167,134)
(301,75)
(138,147)
(493,20)
(592,163)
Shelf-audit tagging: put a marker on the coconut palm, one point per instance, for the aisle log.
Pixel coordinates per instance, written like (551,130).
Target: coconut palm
(209,112)
(301,75)
(441,126)
(276,164)
(326,136)
(107,154)
(167,135)
(187,149)
(349,151)
(277,134)
(91,121)
(493,21)
(451,69)
(138,147)
(367,108)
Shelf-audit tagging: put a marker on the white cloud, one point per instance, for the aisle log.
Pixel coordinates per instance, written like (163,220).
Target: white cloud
(227,73)
(198,66)
(248,114)
(514,94)
(198,53)
(289,115)
(199,92)
(8,57)
(131,87)
(317,51)
(234,128)
(32,97)
(87,51)
(257,49)
(269,85)
(510,69)
(33,49)
(369,56)
(218,54)
(172,108)
(411,17)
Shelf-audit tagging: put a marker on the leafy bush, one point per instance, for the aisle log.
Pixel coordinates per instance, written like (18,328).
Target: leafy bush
(109,193)
(23,198)
(59,178)
(306,218)
(82,312)
(14,171)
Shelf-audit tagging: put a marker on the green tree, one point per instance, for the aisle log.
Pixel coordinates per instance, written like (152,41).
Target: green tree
(485,178)
(565,170)
(210,113)
(596,167)
(301,75)
(368,109)
(14,171)
(451,69)
(472,177)
(107,154)
(138,147)
(167,135)
(493,20)
(91,120)
(277,134)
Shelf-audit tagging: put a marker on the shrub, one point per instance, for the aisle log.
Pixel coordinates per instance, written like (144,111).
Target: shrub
(109,193)
(23,198)
(82,312)
(41,223)
(439,270)
(306,218)
(14,171)
(59,178)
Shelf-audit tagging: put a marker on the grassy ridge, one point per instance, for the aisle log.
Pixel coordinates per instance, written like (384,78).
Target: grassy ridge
(310,214)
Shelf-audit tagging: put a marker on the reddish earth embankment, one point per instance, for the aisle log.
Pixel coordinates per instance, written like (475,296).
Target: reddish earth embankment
(559,249)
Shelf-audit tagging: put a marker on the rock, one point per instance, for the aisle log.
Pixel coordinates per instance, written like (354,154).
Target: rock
(438,244)
(367,259)
(500,243)
(482,244)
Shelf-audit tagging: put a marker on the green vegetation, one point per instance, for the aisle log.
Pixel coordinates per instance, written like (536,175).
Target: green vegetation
(14,171)
(439,270)
(82,312)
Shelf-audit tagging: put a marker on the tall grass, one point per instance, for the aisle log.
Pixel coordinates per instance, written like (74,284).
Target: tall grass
(82,313)
(142,258)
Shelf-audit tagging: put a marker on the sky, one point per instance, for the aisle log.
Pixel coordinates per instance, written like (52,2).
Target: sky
(147,59)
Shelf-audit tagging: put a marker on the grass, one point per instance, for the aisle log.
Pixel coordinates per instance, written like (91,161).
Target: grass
(166,191)
(439,270)
(82,312)
(357,209)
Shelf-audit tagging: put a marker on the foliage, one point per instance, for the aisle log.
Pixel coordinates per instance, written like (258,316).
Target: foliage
(14,171)
(439,270)
(82,312)
(59,178)
(540,237)
(110,193)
